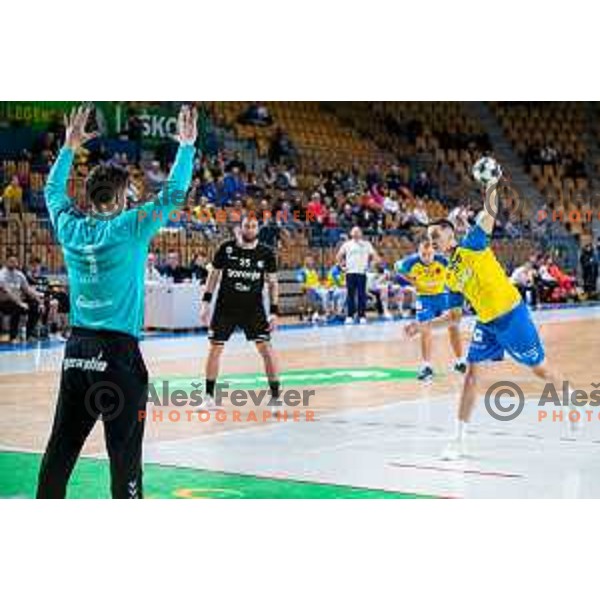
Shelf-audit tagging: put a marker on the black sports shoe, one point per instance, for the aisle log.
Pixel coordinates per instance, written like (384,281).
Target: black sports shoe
(460,366)
(425,374)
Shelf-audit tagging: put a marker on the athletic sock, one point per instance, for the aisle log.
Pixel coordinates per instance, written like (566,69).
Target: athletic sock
(275,388)
(210,387)
(461,430)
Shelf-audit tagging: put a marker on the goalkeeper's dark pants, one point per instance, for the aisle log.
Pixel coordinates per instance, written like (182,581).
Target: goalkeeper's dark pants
(103,376)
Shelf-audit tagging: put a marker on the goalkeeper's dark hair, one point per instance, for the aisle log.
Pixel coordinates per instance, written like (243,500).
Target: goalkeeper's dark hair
(105,183)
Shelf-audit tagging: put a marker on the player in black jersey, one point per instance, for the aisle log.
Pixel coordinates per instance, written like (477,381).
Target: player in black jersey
(242,266)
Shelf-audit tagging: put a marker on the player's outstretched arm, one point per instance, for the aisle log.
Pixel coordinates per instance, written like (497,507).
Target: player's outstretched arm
(153,215)
(487,217)
(76,136)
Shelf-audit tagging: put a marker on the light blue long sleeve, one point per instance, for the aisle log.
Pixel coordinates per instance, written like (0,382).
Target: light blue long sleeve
(106,259)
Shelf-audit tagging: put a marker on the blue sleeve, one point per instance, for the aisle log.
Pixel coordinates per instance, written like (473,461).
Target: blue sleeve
(476,239)
(405,267)
(150,217)
(55,192)
(300,276)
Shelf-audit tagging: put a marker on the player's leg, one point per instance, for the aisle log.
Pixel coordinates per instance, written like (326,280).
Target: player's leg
(265,349)
(385,301)
(523,343)
(257,330)
(124,420)
(484,347)
(212,368)
(351,286)
(454,303)
(74,418)
(426,370)
(425,313)
(222,325)
(362,297)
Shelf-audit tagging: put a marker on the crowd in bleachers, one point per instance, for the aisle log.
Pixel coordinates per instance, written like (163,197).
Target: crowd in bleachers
(389,168)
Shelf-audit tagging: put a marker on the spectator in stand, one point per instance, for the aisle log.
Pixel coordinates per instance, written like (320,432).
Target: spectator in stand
(394,178)
(173,270)
(236,163)
(567,285)
(256,114)
(589,269)
(378,285)
(198,268)
(419,216)
(347,219)
(18,298)
(316,294)
(524,279)
(152,273)
(38,280)
(268,176)
(422,186)
(281,147)
(547,282)
(316,209)
(336,284)
(13,197)
(155,178)
(233,186)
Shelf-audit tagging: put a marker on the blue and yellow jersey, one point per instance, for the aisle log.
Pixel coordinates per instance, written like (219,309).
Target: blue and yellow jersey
(309,278)
(336,277)
(474,271)
(429,280)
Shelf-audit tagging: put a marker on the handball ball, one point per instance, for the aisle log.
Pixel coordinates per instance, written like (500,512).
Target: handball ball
(486,171)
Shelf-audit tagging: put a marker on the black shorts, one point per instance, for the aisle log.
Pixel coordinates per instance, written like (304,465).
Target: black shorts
(253,322)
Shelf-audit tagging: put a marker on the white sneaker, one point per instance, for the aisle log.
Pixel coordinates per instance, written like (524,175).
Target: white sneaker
(388,315)
(349,321)
(315,318)
(574,427)
(455,450)
(209,404)
(275,410)
(362,321)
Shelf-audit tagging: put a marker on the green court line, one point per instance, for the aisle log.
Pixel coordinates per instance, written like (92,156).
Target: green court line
(296,377)
(18,476)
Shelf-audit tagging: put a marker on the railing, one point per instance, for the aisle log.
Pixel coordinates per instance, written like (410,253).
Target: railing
(31,237)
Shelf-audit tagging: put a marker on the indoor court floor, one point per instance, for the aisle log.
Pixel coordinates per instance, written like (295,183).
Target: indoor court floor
(376,432)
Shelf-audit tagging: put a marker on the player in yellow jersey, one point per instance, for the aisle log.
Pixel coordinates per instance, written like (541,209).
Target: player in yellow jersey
(504,323)
(426,271)
(315,292)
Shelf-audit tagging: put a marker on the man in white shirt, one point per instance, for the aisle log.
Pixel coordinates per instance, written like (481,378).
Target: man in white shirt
(18,298)
(355,256)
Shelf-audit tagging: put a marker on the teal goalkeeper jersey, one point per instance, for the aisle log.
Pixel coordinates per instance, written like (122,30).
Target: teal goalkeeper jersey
(106,259)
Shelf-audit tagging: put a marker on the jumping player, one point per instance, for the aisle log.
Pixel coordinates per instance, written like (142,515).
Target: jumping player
(103,371)
(241,266)
(426,271)
(504,323)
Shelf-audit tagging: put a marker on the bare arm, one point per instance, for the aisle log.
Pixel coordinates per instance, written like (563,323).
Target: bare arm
(212,281)
(487,217)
